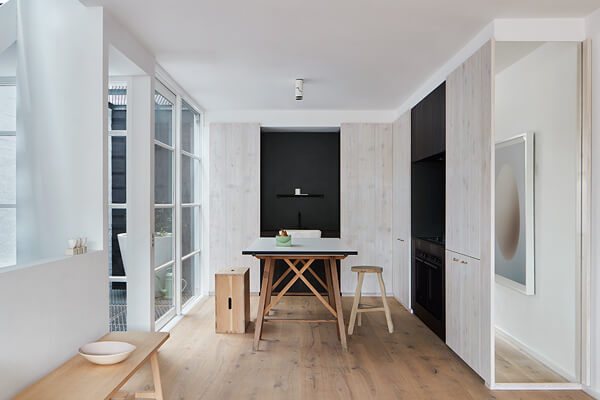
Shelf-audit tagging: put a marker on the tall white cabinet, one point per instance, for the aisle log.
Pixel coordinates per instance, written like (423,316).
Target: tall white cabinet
(469,207)
(401,234)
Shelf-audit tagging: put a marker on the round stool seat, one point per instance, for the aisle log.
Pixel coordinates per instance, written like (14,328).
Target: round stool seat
(366,269)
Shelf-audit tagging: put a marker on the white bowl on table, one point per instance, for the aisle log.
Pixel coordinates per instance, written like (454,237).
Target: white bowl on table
(106,353)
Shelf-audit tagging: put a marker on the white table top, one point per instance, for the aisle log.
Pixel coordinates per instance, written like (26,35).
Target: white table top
(321,246)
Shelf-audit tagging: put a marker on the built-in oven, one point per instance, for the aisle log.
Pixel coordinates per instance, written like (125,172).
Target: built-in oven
(429,283)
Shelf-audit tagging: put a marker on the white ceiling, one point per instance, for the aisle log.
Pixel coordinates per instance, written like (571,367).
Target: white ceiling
(119,65)
(353,54)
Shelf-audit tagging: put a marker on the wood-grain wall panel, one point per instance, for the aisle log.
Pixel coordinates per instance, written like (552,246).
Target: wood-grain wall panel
(401,233)
(234,197)
(366,201)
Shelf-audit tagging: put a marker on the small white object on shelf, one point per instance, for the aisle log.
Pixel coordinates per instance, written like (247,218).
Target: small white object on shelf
(76,246)
(106,353)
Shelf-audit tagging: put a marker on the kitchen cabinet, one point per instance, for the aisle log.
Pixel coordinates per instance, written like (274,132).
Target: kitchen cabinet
(469,200)
(468,153)
(428,125)
(464,323)
(401,209)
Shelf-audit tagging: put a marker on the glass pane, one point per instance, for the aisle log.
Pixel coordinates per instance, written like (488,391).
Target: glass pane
(163,237)
(163,119)
(8,236)
(163,175)
(117,108)
(118,225)
(118,169)
(190,191)
(118,307)
(163,292)
(190,124)
(190,227)
(8,108)
(8,170)
(189,267)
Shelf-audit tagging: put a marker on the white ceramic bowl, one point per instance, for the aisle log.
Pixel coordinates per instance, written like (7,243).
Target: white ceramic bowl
(106,353)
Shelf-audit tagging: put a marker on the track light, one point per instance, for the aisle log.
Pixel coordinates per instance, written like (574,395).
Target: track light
(299,89)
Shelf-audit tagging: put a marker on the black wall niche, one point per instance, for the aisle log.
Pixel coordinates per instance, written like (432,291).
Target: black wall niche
(428,197)
(308,159)
(428,125)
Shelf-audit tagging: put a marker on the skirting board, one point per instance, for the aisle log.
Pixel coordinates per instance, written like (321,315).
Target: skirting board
(594,393)
(533,353)
(344,294)
(367,294)
(536,386)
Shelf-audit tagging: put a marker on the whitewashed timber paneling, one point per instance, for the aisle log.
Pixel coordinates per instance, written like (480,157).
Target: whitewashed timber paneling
(234,197)
(366,201)
(401,210)
(469,209)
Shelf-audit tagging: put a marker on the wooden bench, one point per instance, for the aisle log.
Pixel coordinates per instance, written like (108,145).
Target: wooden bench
(80,379)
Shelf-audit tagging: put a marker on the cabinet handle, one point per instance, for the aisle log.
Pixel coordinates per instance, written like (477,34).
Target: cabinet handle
(464,262)
(402,240)
(454,259)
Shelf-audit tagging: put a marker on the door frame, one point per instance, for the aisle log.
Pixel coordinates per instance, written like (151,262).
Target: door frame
(583,256)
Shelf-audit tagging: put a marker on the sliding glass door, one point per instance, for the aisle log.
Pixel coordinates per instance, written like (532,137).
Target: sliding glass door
(164,204)
(190,201)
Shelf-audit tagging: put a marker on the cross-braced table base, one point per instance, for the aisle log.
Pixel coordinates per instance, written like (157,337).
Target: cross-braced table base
(333,303)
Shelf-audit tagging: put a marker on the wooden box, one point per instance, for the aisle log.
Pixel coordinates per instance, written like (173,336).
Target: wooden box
(232,300)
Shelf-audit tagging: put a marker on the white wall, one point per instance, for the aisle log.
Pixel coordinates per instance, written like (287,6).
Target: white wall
(48,311)
(51,309)
(539,93)
(60,123)
(593,32)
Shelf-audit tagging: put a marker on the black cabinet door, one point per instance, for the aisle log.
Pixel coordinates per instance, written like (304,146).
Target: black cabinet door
(428,125)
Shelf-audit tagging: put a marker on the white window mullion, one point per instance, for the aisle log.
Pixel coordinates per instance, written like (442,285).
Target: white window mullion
(178,176)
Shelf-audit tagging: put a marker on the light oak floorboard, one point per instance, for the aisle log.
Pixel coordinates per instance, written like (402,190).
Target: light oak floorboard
(306,361)
(515,366)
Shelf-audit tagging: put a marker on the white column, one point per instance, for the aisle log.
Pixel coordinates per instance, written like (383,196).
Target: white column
(140,200)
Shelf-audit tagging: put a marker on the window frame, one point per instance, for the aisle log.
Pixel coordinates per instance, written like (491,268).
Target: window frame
(9,81)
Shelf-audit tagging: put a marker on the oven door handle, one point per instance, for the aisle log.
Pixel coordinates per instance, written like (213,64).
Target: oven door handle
(430,265)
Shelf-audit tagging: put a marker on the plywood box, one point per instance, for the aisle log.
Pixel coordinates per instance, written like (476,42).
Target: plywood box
(232,300)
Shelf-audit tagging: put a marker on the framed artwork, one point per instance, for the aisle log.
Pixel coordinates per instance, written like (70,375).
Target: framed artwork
(515,229)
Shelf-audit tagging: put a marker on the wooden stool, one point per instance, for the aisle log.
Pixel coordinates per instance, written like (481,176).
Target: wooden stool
(356,306)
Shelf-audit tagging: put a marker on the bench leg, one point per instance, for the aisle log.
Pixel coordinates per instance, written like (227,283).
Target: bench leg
(156,376)
(355,304)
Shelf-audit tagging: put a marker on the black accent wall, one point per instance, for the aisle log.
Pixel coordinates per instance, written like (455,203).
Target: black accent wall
(309,160)
(306,160)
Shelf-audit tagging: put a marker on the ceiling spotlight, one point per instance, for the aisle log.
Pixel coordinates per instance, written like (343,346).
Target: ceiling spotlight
(299,89)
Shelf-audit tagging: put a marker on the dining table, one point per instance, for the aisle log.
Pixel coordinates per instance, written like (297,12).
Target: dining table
(300,258)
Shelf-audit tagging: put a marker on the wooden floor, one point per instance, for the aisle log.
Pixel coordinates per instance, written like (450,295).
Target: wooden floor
(305,361)
(515,366)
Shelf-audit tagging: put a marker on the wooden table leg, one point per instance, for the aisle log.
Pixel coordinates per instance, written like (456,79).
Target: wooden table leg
(260,316)
(269,288)
(338,303)
(328,280)
(330,296)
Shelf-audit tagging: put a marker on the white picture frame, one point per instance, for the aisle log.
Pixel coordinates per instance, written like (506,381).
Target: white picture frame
(518,153)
